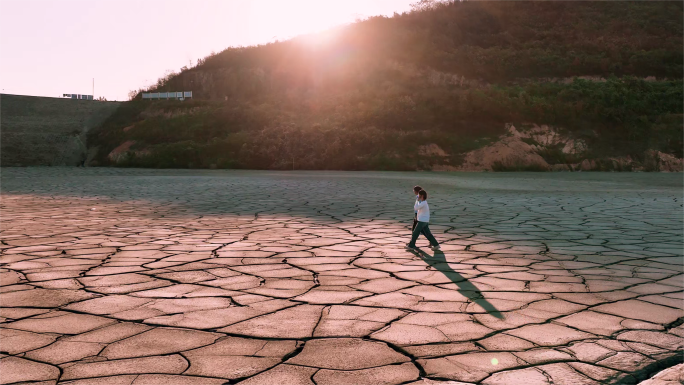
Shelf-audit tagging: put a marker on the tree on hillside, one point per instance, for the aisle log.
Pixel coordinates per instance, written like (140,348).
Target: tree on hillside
(426,5)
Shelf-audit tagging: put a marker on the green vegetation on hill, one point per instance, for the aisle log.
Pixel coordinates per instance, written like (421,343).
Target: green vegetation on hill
(366,96)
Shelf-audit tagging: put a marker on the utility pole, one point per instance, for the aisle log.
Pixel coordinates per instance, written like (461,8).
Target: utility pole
(93,88)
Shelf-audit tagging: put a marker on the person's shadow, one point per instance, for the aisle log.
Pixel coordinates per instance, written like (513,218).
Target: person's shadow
(467,289)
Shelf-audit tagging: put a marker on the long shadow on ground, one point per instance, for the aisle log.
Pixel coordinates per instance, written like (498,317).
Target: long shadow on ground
(466,288)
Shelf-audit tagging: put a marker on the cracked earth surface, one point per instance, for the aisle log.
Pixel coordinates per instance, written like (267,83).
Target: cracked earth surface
(115,276)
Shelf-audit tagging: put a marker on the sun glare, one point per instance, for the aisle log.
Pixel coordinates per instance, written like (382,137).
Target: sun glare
(320,39)
(312,19)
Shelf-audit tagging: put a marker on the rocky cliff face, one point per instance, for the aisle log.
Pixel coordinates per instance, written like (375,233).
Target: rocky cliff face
(658,161)
(38,131)
(544,148)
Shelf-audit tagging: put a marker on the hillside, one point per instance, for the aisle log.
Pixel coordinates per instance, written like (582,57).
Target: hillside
(427,90)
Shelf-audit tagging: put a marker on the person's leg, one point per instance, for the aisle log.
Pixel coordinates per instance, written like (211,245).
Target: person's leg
(415,222)
(416,233)
(429,236)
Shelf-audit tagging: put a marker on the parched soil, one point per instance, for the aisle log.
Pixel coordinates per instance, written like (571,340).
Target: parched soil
(138,276)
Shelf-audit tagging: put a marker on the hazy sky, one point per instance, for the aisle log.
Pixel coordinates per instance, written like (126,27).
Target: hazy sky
(52,47)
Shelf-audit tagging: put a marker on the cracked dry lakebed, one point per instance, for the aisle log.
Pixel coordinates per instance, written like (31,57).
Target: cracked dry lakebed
(130,276)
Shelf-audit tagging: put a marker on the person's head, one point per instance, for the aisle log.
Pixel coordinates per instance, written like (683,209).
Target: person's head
(423,195)
(417,189)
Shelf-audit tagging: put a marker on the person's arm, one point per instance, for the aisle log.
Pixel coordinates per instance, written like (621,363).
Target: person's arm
(419,205)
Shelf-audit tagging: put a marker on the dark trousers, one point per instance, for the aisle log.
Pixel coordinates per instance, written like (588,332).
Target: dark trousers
(415,221)
(422,228)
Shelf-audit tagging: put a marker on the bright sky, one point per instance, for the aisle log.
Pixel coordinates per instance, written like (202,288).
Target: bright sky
(53,47)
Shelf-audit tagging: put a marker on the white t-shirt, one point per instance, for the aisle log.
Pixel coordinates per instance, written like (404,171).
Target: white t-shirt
(423,211)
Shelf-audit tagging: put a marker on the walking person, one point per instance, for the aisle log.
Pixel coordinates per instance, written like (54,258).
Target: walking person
(423,218)
(416,190)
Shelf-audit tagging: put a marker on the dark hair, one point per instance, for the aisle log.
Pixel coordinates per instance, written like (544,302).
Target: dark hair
(417,188)
(423,194)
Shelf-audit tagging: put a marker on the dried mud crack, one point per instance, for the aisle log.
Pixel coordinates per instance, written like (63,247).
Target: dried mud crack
(195,277)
